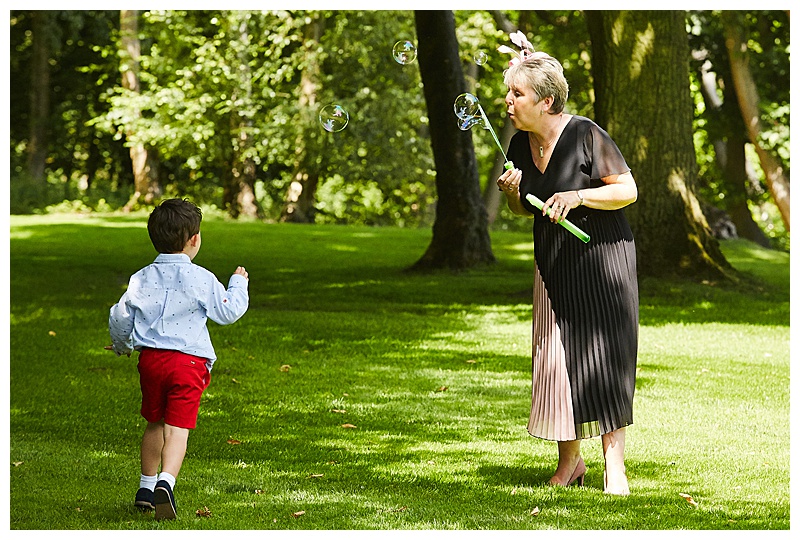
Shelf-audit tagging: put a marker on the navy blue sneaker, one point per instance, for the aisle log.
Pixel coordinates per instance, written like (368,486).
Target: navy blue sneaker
(145,500)
(164,501)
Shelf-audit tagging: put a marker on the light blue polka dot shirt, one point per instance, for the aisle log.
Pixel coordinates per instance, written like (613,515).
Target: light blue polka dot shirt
(168,303)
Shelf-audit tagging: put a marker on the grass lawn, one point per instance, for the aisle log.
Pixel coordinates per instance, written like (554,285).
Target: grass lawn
(433,373)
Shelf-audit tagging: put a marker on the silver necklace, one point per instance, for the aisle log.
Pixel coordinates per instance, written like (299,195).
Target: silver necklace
(541,148)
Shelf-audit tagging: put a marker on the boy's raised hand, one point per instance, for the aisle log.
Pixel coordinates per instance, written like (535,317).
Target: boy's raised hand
(242,272)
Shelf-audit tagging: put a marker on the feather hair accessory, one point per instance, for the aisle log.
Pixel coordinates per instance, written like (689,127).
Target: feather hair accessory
(526,48)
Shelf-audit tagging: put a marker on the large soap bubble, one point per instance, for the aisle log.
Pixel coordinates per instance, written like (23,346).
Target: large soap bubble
(404,52)
(333,117)
(469,113)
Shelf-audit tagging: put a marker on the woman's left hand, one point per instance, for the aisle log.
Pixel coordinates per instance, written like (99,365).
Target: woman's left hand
(560,204)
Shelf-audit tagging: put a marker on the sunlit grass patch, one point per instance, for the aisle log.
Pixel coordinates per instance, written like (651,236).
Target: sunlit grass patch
(353,395)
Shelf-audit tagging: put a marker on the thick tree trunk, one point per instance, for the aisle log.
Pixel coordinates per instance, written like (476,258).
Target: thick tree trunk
(747,94)
(640,64)
(146,187)
(40,97)
(460,230)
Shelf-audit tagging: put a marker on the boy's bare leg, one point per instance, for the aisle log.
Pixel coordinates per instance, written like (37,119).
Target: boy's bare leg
(172,455)
(175,441)
(152,446)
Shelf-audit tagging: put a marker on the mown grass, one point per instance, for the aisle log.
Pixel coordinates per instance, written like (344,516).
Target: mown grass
(432,370)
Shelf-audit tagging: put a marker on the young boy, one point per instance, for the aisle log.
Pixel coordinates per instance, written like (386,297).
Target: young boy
(163,316)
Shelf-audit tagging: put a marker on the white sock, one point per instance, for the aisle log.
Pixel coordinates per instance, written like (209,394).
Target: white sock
(148,482)
(168,478)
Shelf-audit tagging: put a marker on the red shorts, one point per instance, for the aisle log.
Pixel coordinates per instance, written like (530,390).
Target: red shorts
(172,383)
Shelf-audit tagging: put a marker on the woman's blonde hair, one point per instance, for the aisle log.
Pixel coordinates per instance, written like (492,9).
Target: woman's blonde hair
(544,75)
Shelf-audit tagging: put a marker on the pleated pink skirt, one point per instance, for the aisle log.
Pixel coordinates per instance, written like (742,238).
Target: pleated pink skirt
(585,331)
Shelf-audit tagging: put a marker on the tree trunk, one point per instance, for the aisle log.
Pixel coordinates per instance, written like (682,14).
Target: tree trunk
(460,230)
(640,65)
(146,187)
(736,181)
(747,94)
(730,151)
(492,197)
(298,204)
(239,196)
(40,98)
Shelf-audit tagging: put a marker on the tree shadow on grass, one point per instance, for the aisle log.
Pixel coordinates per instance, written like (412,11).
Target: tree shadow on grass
(337,308)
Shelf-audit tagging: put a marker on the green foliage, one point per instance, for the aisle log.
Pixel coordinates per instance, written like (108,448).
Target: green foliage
(768,53)
(434,372)
(82,65)
(207,76)
(189,106)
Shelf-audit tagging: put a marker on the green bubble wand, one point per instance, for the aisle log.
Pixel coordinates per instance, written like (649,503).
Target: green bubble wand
(567,224)
(470,113)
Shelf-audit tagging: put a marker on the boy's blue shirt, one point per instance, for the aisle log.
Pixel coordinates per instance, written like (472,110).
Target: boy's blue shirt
(168,303)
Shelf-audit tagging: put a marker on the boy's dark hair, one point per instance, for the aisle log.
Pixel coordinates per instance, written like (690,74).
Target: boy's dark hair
(172,223)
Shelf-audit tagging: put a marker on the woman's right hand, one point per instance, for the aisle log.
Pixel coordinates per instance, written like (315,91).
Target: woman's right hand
(509,181)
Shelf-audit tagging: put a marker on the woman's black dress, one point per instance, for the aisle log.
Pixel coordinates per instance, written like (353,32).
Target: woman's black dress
(585,296)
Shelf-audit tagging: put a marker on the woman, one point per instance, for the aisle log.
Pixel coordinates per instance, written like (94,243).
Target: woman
(585,305)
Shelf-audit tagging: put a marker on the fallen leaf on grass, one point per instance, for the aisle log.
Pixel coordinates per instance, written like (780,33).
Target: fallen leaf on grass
(298,514)
(51,333)
(689,499)
(349,426)
(285,368)
(441,389)
(535,511)
(18,463)
(259,492)
(234,441)
(234,381)
(203,512)
(340,411)
(316,475)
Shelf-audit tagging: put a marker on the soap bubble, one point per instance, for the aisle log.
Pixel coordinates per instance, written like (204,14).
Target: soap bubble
(333,117)
(481,58)
(470,113)
(404,52)
(465,124)
(467,106)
